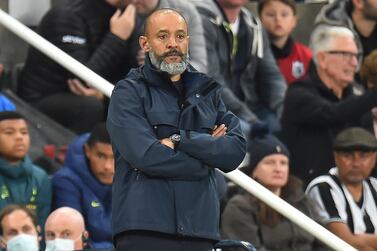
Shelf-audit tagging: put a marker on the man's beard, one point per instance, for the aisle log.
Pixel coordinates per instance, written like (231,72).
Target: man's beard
(173,68)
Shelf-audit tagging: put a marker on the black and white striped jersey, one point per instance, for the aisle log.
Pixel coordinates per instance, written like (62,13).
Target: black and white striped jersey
(335,203)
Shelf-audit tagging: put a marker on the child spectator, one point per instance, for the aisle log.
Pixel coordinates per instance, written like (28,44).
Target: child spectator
(21,182)
(279,19)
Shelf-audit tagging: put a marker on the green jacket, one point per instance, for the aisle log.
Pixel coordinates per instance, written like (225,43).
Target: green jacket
(25,184)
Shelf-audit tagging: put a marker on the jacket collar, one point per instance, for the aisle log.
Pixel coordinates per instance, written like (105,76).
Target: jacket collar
(23,168)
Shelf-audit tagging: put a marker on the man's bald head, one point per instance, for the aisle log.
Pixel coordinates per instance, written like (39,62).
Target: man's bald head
(153,18)
(66,214)
(66,223)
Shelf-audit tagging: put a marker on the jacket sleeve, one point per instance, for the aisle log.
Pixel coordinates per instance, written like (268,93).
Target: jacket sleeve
(270,81)
(66,193)
(238,223)
(43,200)
(133,137)
(69,32)
(225,152)
(304,106)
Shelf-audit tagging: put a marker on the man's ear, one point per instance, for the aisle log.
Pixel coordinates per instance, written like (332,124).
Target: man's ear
(85,239)
(3,244)
(87,150)
(144,44)
(39,233)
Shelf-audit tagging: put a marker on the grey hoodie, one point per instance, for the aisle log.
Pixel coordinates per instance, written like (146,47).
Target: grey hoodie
(261,83)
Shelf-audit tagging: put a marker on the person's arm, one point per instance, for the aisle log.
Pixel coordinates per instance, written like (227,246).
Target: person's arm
(65,192)
(225,152)
(362,242)
(69,32)
(307,107)
(269,79)
(44,200)
(134,139)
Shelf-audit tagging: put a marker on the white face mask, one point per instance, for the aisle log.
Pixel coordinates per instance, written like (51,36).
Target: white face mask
(60,245)
(23,242)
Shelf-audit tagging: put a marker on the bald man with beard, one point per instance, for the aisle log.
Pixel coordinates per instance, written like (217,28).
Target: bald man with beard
(169,128)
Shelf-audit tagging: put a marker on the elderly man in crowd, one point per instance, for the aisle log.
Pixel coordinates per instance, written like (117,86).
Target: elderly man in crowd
(323,104)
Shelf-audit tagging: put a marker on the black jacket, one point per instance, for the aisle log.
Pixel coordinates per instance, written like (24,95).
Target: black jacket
(312,118)
(156,188)
(80,28)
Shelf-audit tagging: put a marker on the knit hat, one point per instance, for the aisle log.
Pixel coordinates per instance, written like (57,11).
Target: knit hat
(355,138)
(261,147)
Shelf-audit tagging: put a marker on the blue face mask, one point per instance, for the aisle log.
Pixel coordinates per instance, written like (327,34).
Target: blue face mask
(60,245)
(23,242)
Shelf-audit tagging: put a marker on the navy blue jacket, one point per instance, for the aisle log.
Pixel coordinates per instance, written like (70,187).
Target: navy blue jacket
(155,187)
(75,186)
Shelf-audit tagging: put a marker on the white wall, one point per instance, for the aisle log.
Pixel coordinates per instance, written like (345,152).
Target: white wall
(28,12)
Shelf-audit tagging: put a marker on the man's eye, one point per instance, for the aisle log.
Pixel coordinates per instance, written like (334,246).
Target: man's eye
(162,37)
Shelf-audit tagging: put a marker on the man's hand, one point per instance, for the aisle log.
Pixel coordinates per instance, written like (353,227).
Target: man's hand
(80,89)
(123,24)
(167,142)
(219,131)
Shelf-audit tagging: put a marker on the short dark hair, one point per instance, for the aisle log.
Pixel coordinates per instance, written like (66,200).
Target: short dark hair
(4,115)
(14,207)
(99,134)
(290,3)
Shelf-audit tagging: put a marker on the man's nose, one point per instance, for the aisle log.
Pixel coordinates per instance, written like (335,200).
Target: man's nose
(172,43)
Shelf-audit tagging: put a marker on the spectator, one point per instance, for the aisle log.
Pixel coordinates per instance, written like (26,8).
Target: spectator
(19,229)
(359,16)
(65,230)
(167,127)
(104,39)
(96,34)
(346,196)
(21,182)
(84,183)
(320,106)
(279,18)
(249,219)
(240,58)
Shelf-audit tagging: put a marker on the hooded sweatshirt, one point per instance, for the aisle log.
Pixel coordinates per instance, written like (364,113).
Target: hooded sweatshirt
(75,186)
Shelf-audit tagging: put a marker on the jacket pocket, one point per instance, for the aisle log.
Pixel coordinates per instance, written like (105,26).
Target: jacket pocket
(164,123)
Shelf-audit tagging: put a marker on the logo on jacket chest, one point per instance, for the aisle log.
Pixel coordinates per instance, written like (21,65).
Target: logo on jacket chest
(298,69)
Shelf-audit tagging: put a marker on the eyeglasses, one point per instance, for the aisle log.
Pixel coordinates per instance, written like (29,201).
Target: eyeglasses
(346,54)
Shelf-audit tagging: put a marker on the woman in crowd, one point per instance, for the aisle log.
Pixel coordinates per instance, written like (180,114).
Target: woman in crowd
(249,219)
